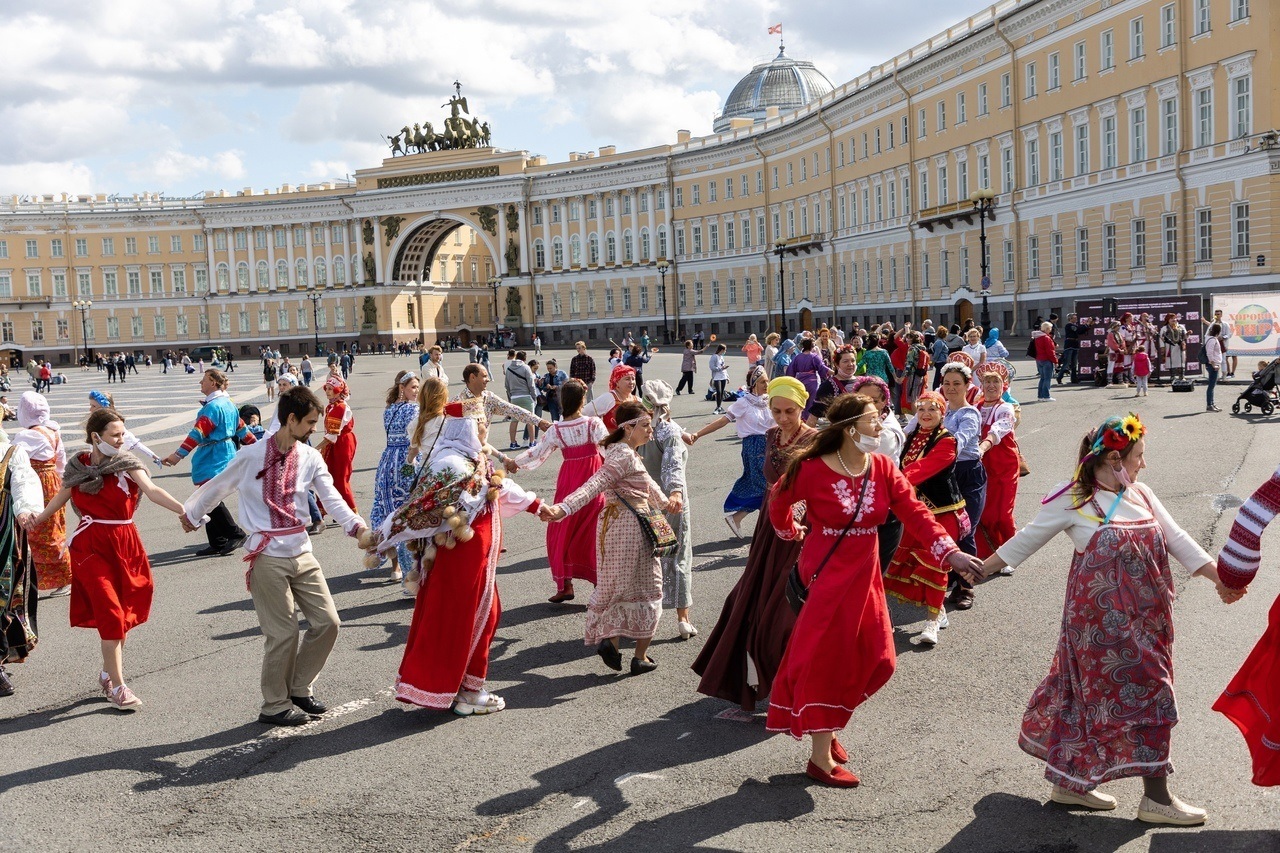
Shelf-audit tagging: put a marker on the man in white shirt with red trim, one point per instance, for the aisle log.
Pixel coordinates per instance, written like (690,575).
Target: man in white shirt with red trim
(272,478)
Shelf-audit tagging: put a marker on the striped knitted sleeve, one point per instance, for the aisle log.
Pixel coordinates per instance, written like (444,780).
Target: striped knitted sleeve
(1242,555)
(199,433)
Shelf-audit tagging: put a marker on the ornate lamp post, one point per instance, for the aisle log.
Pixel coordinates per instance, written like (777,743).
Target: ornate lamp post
(83,306)
(781,247)
(984,202)
(496,282)
(315,298)
(663,266)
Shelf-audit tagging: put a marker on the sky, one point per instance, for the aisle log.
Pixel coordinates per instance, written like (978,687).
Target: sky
(182,96)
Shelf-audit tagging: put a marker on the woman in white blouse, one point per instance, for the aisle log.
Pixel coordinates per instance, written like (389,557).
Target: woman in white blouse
(750,414)
(1106,709)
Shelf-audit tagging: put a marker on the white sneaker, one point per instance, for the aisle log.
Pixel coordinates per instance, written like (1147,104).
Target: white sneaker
(1006,571)
(687,630)
(1092,800)
(122,697)
(733,525)
(929,636)
(477,702)
(1177,813)
(943,621)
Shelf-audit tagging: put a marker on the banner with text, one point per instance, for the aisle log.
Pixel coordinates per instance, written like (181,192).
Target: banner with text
(1093,312)
(1254,322)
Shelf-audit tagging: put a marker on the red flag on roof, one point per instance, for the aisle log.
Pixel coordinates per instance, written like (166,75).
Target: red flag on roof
(775,30)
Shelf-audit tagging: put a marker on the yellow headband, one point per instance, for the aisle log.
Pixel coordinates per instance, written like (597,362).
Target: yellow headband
(789,388)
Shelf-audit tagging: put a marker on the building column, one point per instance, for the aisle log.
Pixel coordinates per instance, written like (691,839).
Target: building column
(232,286)
(271,258)
(253,260)
(288,246)
(310,256)
(328,254)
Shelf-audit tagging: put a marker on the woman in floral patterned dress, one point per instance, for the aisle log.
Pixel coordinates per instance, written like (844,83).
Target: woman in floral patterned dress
(391,483)
(1106,709)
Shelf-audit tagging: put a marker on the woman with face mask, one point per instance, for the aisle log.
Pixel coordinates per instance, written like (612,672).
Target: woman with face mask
(928,462)
(111,583)
(1106,709)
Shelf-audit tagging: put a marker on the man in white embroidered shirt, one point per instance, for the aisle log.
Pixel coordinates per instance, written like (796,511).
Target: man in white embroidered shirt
(272,478)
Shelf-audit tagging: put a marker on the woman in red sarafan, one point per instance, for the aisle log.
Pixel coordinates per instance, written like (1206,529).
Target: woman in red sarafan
(111,583)
(841,649)
(1252,699)
(998,451)
(339,446)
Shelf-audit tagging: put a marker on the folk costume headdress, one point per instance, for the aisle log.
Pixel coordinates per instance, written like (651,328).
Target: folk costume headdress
(995,367)
(339,388)
(789,388)
(935,398)
(859,382)
(618,373)
(1116,433)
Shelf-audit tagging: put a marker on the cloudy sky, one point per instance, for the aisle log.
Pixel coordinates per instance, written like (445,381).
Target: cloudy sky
(179,96)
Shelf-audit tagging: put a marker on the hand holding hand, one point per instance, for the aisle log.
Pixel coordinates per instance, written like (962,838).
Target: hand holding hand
(27,521)
(1229,595)
(170,460)
(544,424)
(550,513)
(970,567)
(689,438)
(510,465)
(187,526)
(674,505)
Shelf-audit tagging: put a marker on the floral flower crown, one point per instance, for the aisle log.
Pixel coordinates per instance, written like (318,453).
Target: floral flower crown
(1116,433)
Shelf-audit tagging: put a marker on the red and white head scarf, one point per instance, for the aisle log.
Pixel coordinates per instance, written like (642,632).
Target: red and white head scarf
(618,372)
(339,388)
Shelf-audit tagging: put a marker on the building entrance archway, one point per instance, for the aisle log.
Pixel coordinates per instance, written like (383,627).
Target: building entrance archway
(806,320)
(964,311)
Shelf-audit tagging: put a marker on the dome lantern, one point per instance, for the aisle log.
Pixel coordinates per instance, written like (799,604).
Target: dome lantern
(785,83)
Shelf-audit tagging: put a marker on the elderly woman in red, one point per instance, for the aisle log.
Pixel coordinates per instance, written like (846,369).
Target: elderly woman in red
(928,462)
(622,387)
(998,451)
(841,650)
(339,446)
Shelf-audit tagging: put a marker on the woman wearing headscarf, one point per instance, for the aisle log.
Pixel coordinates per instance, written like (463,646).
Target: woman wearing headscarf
(622,388)
(133,444)
(998,450)
(995,349)
(454,516)
(666,459)
(750,415)
(41,437)
(21,500)
(743,651)
(928,462)
(338,449)
(391,482)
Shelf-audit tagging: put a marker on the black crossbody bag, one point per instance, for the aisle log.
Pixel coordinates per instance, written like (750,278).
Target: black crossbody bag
(797,591)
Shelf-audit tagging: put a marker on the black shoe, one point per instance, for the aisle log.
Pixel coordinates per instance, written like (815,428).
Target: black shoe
(962,599)
(610,655)
(287,717)
(232,546)
(309,704)
(316,527)
(640,667)
(208,552)
(6,686)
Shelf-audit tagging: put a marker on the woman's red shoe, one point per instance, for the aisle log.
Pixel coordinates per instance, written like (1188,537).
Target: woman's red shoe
(838,753)
(837,778)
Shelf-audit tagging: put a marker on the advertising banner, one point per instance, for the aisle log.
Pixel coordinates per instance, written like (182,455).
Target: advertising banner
(1098,314)
(1254,322)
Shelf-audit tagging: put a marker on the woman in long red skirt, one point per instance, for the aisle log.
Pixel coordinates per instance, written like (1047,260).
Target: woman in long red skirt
(111,584)
(1252,699)
(339,446)
(998,450)
(841,650)
(571,544)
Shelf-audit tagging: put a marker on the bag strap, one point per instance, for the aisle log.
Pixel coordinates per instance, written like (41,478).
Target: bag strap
(866,479)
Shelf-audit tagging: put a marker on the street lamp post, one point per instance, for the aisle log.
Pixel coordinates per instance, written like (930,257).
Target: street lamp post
(315,298)
(496,282)
(781,248)
(984,201)
(83,306)
(663,266)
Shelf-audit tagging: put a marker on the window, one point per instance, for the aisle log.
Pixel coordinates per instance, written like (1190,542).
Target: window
(1055,254)
(156,281)
(1055,71)
(984,174)
(1006,157)
(944,194)
(1033,258)
(695,233)
(728,189)
(1204,117)
(1242,106)
(695,193)
(697,294)
(1240,227)
(715,293)
(1082,149)
(1031,80)
(6,332)
(575,250)
(1055,155)
(1138,134)
(557,253)
(55,248)
(1202,17)
(1006,90)
(1168,26)
(34,285)
(302,315)
(1204,236)
(713,237)
(1082,250)
(1107,48)
(1081,66)
(84,284)
(135,326)
(113,327)
(110,285)
(942,116)
(159,326)
(1109,247)
(264,273)
(1170,239)
(1138,241)
(108,246)
(924,124)
(135,282)
(1239,10)
(555,212)
(944,260)
(962,111)
(964,266)
(198,242)
(1008,260)
(33,250)
(37,330)
(982,102)
(64,330)
(1137,44)
(82,247)
(730,236)
(1109,142)
(1033,162)
(59,283)
(1168,126)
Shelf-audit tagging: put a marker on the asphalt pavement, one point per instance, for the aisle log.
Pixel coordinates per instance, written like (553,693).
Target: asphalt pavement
(586,759)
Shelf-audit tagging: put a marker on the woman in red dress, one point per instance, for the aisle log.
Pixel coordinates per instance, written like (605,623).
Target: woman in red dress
(841,650)
(928,462)
(622,387)
(339,446)
(110,575)
(998,450)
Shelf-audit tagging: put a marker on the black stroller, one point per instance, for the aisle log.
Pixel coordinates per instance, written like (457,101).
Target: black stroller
(1259,391)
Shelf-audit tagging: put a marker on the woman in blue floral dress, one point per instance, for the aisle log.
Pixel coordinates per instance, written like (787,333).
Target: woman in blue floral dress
(394,479)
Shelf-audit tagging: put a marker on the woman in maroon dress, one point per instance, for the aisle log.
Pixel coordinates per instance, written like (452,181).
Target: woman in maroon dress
(742,654)
(111,583)
(841,650)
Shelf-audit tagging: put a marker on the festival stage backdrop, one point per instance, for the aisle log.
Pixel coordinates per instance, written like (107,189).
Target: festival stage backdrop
(1095,312)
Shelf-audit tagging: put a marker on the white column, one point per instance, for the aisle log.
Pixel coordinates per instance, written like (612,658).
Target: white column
(211,274)
(526,244)
(653,224)
(328,253)
(271,258)
(310,253)
(600,225)
(500,262)
(582,229)
(378,276)
(288,246)
(253,259)
(232,286)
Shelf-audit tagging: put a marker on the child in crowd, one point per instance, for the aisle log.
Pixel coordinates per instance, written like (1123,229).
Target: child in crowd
(1141,371)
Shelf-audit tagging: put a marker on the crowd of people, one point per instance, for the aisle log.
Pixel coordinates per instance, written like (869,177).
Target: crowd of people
(869,480)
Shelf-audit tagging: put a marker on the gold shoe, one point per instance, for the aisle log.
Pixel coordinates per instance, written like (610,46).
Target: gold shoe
(1091,800)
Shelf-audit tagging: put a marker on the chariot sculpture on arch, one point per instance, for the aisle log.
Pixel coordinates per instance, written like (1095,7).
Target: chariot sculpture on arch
(459,131)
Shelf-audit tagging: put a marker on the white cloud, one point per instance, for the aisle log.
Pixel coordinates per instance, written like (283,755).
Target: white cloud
(174,167)
(42,178)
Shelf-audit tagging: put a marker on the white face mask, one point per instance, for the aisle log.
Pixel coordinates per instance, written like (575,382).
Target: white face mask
(1122,474)
(105,449)
(865,443)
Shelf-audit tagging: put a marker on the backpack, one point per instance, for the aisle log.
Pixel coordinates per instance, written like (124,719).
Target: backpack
(1031,348)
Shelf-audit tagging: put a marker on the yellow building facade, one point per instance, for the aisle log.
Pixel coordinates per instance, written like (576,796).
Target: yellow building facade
(1130,147)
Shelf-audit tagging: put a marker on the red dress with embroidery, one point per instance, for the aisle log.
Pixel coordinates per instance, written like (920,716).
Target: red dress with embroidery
(841,649)
(111,584)
(340,453)
(996,526)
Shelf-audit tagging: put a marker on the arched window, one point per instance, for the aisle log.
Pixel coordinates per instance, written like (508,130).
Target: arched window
(264,276)
(628,247)
(302,272)
(282,274)
(646,253)
(593,249)
(575,250)
(557,253)
(224,278)
(539,254)
(339,270)
(322,273)
(242,277)
(610,248)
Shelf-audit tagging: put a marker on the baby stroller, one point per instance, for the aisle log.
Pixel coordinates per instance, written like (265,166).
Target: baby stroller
(1259,391)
